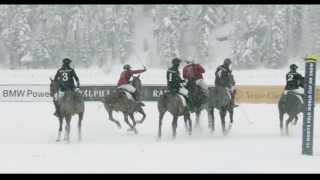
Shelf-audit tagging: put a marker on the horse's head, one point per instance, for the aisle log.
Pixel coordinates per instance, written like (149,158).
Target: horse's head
(53,87)
(136,82)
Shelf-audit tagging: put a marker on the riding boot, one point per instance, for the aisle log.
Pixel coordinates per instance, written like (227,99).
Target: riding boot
(233,94)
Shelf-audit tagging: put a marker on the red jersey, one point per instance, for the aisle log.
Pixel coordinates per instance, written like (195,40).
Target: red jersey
(193,71)
(126,75)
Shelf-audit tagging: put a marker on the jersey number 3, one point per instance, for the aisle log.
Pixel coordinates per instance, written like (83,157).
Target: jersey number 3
(65,76)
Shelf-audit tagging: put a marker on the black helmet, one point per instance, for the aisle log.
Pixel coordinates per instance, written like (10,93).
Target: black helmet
(227,61)
(293,66)
(127,66)
(176,61)
(66,61)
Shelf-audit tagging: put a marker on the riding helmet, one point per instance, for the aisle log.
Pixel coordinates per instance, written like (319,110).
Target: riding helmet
(227,61)
(127,66)
(66,61)
(293,66)
(176,61)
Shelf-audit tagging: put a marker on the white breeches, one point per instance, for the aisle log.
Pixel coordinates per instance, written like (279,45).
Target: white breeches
(202,84)
(298,91)
(58,95)
(183,91)
(128,87)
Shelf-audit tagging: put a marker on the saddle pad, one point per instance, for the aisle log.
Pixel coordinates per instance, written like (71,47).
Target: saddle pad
(184,102)
(293,93)
(128,95)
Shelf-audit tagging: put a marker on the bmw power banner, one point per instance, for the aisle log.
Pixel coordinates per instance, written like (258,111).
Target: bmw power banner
(41,92)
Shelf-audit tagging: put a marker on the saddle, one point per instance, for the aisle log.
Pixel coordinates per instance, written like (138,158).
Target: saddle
(185,100)
(130,96)
(298,95)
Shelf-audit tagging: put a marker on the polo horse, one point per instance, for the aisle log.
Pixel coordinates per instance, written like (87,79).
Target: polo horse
(72,103)
(119,100)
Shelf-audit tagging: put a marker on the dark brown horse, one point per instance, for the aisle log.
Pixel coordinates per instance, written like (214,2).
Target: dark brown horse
(197,98)
(70,104)
(173,103)
(118,101)
(292,105)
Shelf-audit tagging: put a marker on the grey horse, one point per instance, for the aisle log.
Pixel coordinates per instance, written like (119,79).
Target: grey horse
(172,102)
(118,101)
(289,104)
(72,103)
(219,98)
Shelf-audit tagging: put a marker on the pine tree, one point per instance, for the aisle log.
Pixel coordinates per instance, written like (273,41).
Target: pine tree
(278,54)
(250,44)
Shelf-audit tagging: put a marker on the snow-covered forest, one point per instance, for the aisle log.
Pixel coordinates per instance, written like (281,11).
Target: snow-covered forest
(253,36)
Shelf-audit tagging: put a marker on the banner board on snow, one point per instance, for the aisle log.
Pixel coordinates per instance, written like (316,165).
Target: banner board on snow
(40,93)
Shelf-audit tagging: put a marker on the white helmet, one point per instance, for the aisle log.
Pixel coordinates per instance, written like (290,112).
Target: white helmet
(190,60)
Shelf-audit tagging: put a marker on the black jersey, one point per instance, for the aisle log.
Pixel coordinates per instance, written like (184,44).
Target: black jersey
(223,77)
(173,79)
(294,81)
(65,76)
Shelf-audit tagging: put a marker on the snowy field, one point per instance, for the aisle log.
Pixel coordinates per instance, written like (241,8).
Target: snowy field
(29,130)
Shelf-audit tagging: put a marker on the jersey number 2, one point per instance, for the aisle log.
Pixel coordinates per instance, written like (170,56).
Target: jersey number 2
(290,77)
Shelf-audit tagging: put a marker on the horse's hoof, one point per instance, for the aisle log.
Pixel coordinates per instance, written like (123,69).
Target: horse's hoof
(58,140)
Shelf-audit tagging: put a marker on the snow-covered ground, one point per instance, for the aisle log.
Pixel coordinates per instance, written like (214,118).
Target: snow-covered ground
(28,132)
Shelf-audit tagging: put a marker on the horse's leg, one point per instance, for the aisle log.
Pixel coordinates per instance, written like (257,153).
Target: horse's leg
(210,112)
(295,120)
(174,126)
(79,126)
(223,122)
(112,119)
(125,116)
(186,123)
(67,128)
(161,114)
(60,128)
(231,118)
(281,114)
(141,111)
(190,124)
(287,124)
(197,117)
(134,123)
